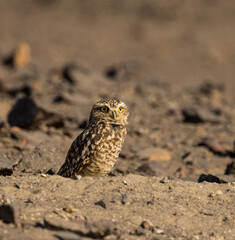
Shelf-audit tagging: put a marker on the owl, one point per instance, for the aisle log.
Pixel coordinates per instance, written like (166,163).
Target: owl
(95,151)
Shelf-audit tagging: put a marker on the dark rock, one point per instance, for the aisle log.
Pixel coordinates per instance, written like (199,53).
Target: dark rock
(101,203)
(25,89)
(24,113)
(9,213)
(207,87)
(147,225)
(210,178)
(230,169)
(213,146)
(152,168)
(196,115)
(44,157)
(66,235)
(5,165)
(51,171)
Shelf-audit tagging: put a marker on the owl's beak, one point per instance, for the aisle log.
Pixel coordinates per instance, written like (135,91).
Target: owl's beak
(114,115)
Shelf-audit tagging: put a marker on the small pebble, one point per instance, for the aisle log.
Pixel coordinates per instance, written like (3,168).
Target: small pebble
(124,182)
(69,209)
(147,225)
(160,231)
(164,180)
(101,203)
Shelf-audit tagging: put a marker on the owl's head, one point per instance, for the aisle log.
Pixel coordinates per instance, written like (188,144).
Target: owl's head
(110,110)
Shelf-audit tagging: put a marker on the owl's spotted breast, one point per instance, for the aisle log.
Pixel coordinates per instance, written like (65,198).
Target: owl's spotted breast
(96,149)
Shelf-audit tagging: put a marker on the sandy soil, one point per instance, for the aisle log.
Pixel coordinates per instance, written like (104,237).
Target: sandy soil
(172,63)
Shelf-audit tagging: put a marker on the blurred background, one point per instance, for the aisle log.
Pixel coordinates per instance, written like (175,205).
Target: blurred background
(172,62)
(183,42)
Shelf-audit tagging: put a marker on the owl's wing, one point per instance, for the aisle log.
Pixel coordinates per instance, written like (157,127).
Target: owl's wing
(81,150)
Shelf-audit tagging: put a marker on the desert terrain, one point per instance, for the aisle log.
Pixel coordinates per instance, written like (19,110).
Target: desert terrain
(172,63)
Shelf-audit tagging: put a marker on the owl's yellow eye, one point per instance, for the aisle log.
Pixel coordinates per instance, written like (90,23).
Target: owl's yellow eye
(104,109)
(120,109)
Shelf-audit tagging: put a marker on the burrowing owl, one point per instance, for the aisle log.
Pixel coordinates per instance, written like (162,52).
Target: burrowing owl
(96,149)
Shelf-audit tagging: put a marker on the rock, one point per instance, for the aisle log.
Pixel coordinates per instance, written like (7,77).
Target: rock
(5,165)
(147,225)
(210,178)
(21,55)
(24,113)
(200,115)
(213,146)
(101,203)
(152,169)
(9,213)
(160,231)
(45,156)
(164,180)
(69,209)
(154,154)
(27,114)
(230,169)
(214,194)
(66,235)
(51,171)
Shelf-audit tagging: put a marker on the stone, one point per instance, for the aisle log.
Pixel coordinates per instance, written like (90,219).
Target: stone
(213,145)
(147,225)
(24,113)
(9,213)
(69,209)
(200,115)
(154,154)
(164,180)
(101,203)
(44,157)
(152,168)
(210,178)
(230,169)
(5,165)
(21,55)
